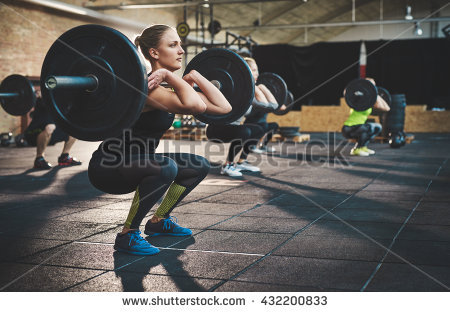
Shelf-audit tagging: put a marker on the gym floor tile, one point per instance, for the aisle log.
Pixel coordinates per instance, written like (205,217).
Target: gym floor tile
(109,237)
(82,256)
(307,198)
(95,202)
(393,196)
(42,212)
(403,277)
(417,232)
(335,186)
(118,197)
(284,211)
(14,247)
(370,215)
(262,225)
(114,204)
(195,264)
(237,242)
(213,208)
(360,203)
(433,206)
(391,187)
(336,228)
(9,271)
(307,272)
(98,215)
(237,199)
(194,221)
(252,188)
(341,248)
(120,281)
(421,252)
(238,286)
(438,217)
(53,229)
(12,224)
(47,278)
(106,237)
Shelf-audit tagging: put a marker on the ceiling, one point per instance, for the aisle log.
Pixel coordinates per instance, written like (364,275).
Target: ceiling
(240,16)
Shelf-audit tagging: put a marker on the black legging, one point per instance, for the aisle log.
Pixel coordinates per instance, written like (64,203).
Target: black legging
(362,133)
(269,129)
(150,175)
(240,136)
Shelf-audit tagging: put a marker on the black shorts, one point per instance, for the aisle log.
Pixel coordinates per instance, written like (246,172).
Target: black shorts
(58,135)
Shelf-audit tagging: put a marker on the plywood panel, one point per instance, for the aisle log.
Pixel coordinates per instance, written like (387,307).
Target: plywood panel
(331,118)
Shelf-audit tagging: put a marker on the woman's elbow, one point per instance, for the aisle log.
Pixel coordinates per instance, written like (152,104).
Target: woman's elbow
(198,108)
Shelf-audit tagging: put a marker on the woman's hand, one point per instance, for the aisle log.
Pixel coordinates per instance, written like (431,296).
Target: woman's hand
(189,78)
(156,78)
(216,103)
(269,96)
(263,87)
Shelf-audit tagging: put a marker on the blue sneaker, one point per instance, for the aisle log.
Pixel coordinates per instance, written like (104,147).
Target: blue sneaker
(166,226)
(133,243)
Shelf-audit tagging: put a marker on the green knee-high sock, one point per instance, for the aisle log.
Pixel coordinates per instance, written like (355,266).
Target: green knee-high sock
(169,201)
(133,210)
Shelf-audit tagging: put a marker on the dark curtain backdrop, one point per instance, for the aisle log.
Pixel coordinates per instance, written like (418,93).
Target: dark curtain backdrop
(317,74)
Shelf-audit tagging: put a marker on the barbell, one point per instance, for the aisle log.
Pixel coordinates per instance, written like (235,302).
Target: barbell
(361,94)
(278,87)
(17,95)
(231,75)
(94,82)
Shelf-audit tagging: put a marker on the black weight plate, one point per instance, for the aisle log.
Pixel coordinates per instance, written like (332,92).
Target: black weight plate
(360,94)
(385,95)
(18,105)
(289,100)
(214,27)
(276,86)
(234,76)
(120,97)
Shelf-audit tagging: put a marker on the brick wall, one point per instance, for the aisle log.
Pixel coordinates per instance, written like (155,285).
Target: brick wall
(27,32)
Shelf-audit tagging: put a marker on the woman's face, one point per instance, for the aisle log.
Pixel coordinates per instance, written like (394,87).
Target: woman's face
(169,52)
(254,69)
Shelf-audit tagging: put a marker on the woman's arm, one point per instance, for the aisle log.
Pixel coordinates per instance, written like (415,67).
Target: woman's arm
(215,101)
(260,101)
(185,100)
(381,105)
(264,106)
(259,95)
(269,96)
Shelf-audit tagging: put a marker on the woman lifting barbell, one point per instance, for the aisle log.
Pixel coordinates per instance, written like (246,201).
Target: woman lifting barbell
(244,136)
(258,116)
(356,127)
(121,165)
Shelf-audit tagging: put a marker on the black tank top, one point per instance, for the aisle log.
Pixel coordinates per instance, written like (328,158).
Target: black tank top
(142,138)
(151,126)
